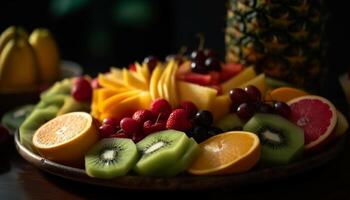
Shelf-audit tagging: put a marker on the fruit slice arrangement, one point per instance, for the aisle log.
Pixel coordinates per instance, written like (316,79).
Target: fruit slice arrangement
(185,115)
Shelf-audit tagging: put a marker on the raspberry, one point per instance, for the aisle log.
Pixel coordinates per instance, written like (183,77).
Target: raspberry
(130,126)
(161,107)
(178,120)
(81,90)
(143,115)
(190,108)
(150,127)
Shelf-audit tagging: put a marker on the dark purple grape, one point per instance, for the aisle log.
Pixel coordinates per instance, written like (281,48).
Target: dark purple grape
(210,53)
(238,96)
(213,64)
(282,109)
(198,56)
(246,111)
(199,67)
(214,131)
(264,108)
(199,134)
(203,118)
(151,61)
(253,93)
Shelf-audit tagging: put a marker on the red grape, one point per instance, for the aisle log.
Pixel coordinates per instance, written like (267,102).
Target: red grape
(81,90)
(253,93)
(106,130)
(282,109)
(130,126)
(111,121)
(238,96)
(245,110)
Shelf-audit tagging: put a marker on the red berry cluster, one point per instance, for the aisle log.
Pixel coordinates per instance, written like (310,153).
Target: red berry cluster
(246,102)
(143,122)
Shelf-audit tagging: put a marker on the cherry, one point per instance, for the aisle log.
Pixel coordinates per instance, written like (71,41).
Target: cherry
(238,96)
(151,61)
(245,111)
(106,130)
(130,126)
(253,93)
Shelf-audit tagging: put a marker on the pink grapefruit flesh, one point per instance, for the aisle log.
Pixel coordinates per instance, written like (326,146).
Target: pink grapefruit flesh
(317,116)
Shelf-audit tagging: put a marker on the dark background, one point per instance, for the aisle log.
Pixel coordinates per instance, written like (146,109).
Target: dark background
(98,34)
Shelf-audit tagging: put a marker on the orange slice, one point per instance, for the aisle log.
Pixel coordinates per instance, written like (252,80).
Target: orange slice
(226,153)
(285,94)
(66,138)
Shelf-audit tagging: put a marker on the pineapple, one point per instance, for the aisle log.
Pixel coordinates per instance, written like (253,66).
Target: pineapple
(281,38)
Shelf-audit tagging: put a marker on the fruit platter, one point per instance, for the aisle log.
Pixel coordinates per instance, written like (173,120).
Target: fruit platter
(189,122)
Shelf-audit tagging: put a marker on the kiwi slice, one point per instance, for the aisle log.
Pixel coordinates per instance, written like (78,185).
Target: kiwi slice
(281,141)
(71,105)
(14,118)
(185,161)
(111,157)
(57,100)
(229,122)
(37,118)
(62,87)
(159,151)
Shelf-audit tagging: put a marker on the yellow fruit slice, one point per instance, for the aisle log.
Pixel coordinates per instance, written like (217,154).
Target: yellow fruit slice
(153,88)
(66,138)
(108,81)
(201,96)
(139,72)
(258,81)
(226,153)
(172,86)
(238,80)
(112,103)
(169,87)
(132,80)
(116,73)
(160,84)
(128,106)
(220,106)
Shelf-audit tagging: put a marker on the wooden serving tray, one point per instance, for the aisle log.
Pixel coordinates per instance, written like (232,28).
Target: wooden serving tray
(184,182)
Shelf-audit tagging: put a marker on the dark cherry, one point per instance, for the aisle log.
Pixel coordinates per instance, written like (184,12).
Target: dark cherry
(203,118)
(213,63)
(253,93)
(246,111)
(282,109)
(238,96)
(151,61)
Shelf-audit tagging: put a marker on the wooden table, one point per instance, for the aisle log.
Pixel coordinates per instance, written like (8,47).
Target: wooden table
(21,180)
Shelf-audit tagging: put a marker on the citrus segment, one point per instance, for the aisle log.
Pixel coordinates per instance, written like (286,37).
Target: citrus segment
(230,152)
(66,138)
(316,116)
(285,94)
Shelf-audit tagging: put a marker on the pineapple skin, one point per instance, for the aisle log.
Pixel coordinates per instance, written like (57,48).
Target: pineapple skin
(282,38)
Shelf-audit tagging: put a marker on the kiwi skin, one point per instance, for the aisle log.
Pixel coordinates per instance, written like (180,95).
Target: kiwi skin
(292,137)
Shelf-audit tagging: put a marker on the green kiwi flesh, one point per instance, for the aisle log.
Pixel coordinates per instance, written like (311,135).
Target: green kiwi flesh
(184,162)
(71,105)
(36,118)
(159,151)
(61,87)
(14,118)
(281,141)
(111,157)
(229,122)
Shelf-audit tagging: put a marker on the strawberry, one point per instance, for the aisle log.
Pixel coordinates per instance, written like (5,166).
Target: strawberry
(190,108)
(161,107)
(178,120)
(150,127)
(143,115)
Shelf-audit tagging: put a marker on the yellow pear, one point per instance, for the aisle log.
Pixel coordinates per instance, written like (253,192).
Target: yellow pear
(47,54)
(10,33)
(18,67)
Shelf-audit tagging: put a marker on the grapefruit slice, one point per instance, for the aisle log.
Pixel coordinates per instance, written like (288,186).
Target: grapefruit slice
(317,116)
(66,138)
(226,153)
